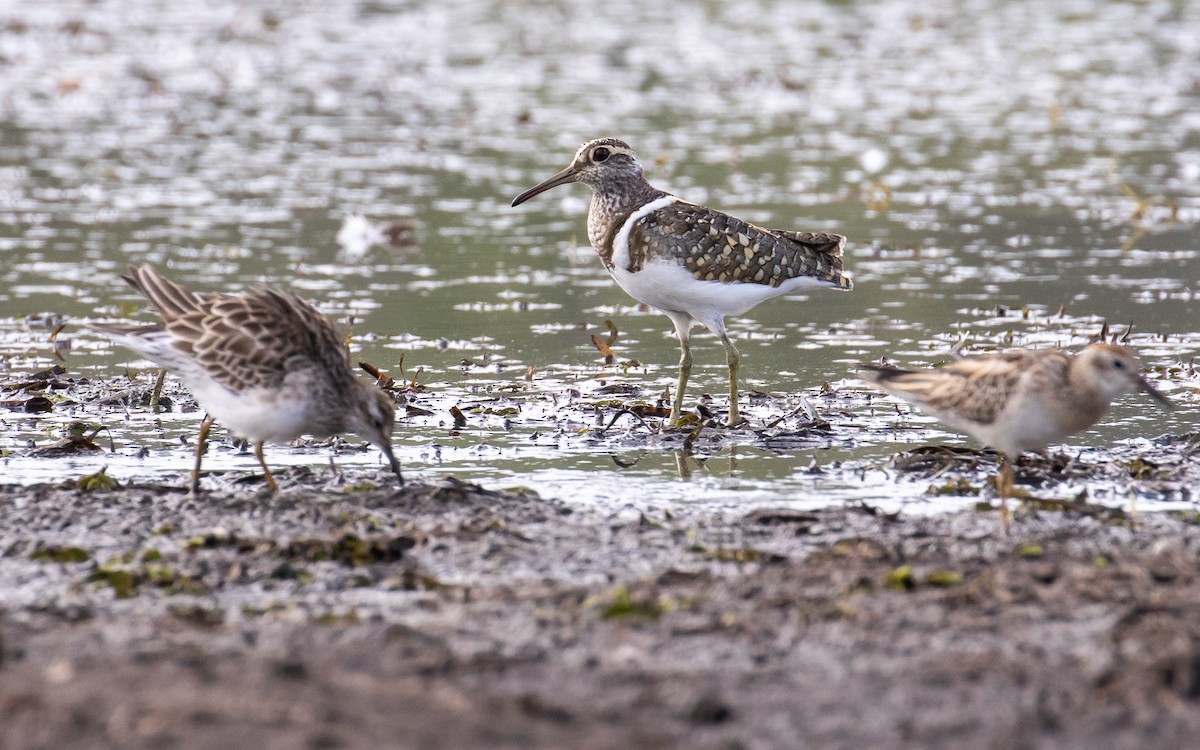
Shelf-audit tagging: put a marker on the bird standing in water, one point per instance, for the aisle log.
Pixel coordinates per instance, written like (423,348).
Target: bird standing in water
(1021,400)
(265,363)
(692,263)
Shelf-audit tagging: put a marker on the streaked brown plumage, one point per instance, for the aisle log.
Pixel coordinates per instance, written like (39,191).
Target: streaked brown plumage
(265,363)
(693,263)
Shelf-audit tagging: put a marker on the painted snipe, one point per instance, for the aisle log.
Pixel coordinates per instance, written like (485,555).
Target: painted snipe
(694,264)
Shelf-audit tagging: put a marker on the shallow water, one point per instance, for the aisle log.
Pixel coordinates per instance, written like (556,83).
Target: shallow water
(1007,174)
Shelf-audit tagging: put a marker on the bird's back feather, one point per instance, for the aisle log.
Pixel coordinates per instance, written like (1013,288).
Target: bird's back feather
(241,341)
(715,246)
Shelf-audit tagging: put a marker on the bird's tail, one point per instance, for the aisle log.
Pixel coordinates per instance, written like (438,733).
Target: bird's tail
(911,385)
(826,249)
(171,300)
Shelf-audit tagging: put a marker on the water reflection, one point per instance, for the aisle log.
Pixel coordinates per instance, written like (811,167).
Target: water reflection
(1039,166)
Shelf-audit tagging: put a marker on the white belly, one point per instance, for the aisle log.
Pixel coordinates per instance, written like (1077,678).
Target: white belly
(258,415)
(669,287)
(664,283)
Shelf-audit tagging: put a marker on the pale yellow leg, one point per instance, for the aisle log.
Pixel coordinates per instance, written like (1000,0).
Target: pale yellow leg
(1004,487)
(258,453)
(731,359)
(682,470)
(685,371)
(201,443)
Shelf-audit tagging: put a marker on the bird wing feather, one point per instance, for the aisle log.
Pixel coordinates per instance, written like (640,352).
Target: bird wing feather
(242,341)
(974,390)
(259,338)
(714,246)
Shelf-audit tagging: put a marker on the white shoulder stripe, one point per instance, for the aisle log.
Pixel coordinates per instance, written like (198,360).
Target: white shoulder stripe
(620,256)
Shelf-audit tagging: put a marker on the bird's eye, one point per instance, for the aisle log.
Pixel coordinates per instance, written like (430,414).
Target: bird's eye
(1118,364)
(600,154)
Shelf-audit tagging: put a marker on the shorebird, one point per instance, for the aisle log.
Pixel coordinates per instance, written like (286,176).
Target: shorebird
(266,363)
(1021,400)
(692,263)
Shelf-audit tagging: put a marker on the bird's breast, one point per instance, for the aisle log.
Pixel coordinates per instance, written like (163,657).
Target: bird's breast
(611,231)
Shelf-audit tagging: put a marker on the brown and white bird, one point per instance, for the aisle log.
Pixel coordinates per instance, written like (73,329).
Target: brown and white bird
(1021,400)
(265,363)
(692,263)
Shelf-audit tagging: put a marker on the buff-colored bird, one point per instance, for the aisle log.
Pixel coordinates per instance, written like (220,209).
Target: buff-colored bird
(1020,400)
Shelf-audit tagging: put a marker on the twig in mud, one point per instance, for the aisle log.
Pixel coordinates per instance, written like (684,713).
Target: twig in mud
(604,349)
(156,392)
(55,330)
(779,419)
(112,445)
(803,407)
(382,378)
(617,416)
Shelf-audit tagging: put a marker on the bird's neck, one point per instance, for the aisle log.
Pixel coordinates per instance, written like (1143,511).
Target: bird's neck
(611,207)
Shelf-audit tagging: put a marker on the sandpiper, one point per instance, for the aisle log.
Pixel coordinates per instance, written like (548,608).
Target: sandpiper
(692,263)
(1020,400)
(266,363)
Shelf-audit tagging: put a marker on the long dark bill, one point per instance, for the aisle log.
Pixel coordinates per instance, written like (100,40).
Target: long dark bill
(393,462)
(562,178)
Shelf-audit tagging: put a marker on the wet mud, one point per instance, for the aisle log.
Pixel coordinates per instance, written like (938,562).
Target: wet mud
(449,615)
(1010,174)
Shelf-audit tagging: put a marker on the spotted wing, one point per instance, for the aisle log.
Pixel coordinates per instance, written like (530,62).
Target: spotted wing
(246,340)
(970,391)
(714,246)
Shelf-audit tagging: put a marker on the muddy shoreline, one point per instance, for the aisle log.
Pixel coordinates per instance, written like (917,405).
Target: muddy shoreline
(448,615)
(1008,174)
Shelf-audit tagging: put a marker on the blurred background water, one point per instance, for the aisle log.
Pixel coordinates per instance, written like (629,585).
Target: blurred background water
(1008,173)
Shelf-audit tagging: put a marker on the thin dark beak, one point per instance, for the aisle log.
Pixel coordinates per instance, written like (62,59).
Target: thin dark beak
(393,462)
(1145,386)
(562,178)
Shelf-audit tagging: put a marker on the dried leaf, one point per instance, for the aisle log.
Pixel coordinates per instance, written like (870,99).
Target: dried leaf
(604,349)
(372,370)
(612,331)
